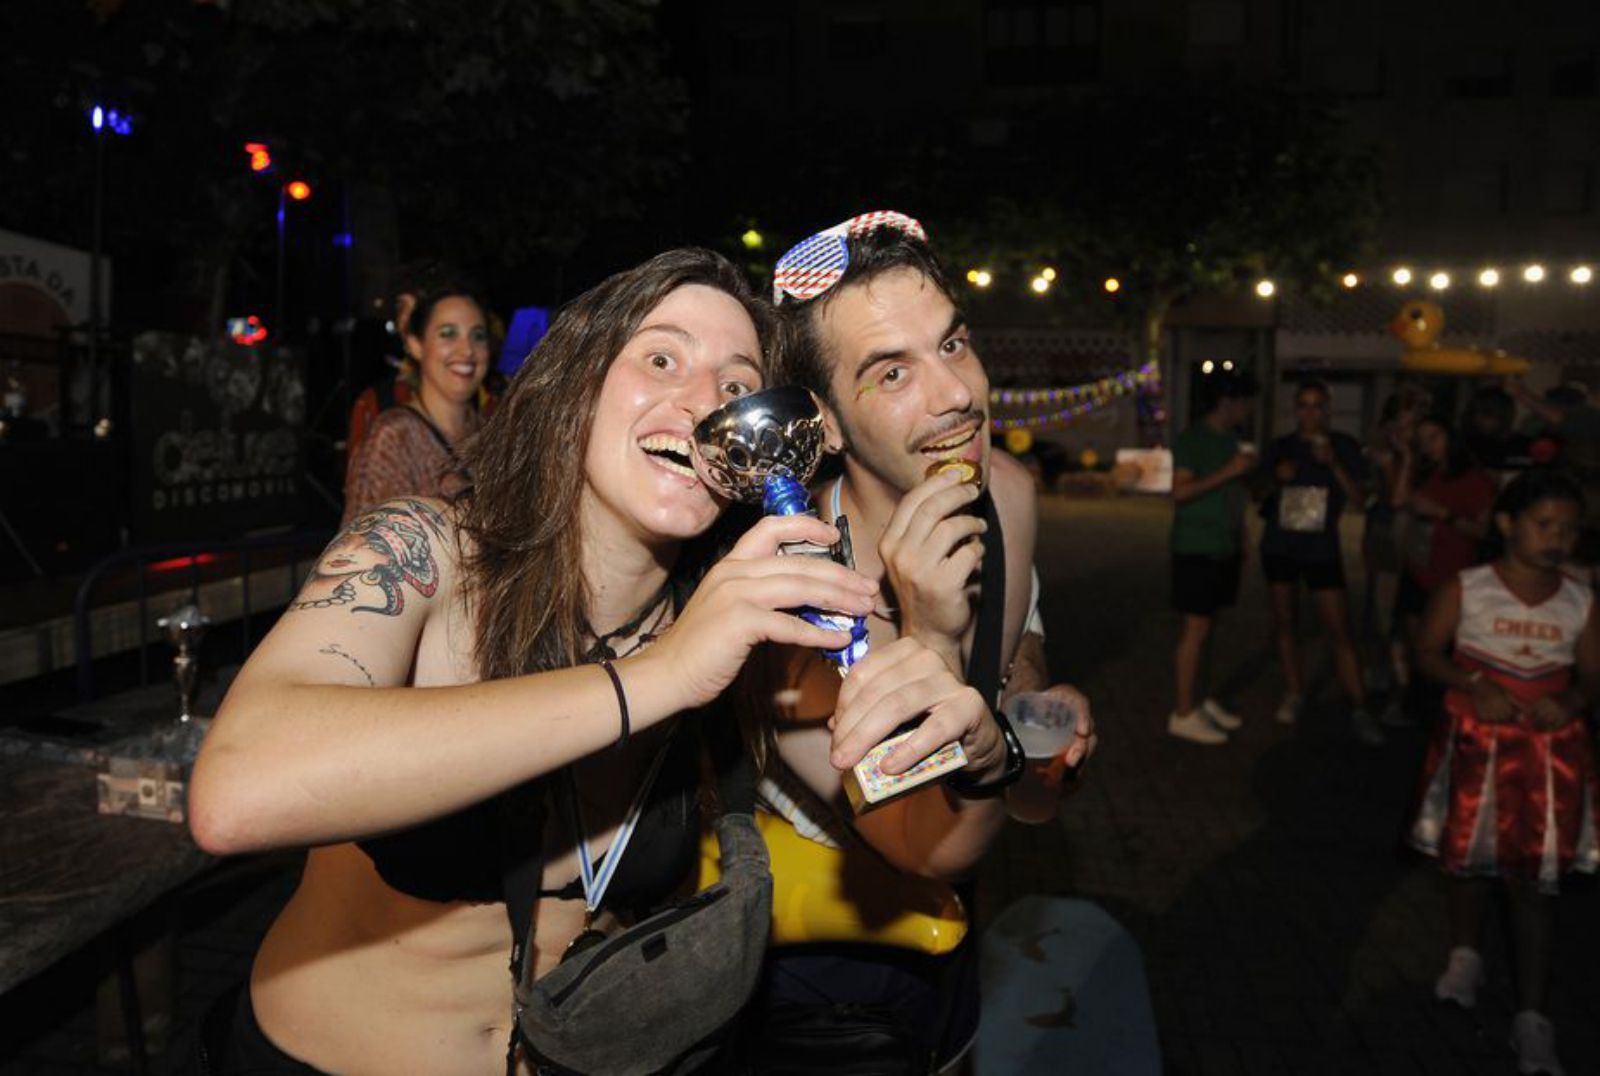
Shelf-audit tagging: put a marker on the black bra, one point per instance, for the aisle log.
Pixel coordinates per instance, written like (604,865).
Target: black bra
(463,856)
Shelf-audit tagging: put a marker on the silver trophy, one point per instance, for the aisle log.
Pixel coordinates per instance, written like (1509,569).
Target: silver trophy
(763,449)
(184,628)
(776,432)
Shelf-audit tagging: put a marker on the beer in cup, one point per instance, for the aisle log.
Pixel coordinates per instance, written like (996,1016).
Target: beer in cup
(1044,724)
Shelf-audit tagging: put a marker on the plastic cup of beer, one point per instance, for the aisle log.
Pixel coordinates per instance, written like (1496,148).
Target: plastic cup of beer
(1044,724)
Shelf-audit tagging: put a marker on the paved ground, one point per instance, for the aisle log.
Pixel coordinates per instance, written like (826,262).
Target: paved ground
(1283,929)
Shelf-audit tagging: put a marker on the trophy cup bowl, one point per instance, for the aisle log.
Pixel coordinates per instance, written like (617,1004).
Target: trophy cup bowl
(775,432)
(184,627)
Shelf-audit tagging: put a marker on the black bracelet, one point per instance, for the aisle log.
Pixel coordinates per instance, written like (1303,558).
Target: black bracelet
(622,701)
(963,784)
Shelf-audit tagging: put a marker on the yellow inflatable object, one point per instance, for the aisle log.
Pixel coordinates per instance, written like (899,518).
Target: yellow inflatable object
(1018,441)
(1419,325)
(822,894)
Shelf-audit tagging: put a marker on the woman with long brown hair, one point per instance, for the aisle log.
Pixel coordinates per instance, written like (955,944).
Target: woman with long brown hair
(402,716)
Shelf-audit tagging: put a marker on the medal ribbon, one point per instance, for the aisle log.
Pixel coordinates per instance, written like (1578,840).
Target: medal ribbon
(596,883)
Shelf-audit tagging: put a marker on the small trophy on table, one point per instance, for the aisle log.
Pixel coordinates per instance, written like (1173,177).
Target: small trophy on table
(762,449)
(184,628)
(149,779)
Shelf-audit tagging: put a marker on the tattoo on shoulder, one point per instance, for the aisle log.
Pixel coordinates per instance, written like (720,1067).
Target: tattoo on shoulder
(386,549)
(340,652)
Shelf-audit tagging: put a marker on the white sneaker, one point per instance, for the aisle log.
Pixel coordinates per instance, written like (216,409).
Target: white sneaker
(1288,711)
(1461,977)
(1195,727)
(1533,1037)
(1222,717)
(1366,727)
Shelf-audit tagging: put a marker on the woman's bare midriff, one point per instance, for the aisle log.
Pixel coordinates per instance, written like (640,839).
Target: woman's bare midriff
(355,977)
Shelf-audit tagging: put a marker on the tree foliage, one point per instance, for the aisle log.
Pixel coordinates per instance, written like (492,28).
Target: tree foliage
(1179,194)
(502,129)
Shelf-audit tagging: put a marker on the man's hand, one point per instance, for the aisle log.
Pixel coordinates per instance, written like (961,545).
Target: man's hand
(1084,737)
(1241,464)
(929,550)
(907,681)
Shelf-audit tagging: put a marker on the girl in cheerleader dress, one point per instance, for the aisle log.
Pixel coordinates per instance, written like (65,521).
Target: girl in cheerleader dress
(1508,789)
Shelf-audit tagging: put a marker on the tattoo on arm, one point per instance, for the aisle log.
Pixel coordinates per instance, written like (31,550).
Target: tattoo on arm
(386,550)
(338,651)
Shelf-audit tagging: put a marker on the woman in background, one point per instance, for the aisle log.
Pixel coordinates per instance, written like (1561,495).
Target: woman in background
(411,449)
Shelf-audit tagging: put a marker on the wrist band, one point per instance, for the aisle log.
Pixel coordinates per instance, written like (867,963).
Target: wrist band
(622,701)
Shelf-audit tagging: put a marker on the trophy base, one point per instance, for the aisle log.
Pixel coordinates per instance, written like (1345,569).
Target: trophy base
(866,786)
(147,776)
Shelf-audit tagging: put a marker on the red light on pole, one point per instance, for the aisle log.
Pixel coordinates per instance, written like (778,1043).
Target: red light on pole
(299,190)
(260,156)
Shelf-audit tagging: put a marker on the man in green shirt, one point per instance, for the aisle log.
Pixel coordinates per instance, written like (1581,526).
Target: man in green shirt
(1208,491)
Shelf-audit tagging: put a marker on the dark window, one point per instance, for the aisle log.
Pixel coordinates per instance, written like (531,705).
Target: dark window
(1572,78)
(857,40)
(1483,76)
(1041,42)
(751,53)
(1352,74)
(1216,23)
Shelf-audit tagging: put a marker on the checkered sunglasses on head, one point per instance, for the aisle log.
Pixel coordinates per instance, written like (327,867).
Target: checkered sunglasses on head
(812,266)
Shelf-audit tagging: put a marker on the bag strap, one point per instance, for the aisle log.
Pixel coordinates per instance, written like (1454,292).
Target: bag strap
(444,443)
(731,760)
(522,870)
(984,670)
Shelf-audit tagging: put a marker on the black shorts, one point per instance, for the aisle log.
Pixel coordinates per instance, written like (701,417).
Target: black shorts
(1202,584)
(1318,574)
(931,1001)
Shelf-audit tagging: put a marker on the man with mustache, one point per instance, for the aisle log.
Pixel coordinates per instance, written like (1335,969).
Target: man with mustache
(873,329)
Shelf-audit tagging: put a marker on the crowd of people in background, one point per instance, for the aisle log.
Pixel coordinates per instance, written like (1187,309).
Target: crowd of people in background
(1477,620)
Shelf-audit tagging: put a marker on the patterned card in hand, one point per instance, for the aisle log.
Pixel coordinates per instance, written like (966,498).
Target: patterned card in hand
(867,786)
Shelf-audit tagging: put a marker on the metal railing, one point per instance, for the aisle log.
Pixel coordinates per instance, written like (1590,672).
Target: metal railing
(141,557)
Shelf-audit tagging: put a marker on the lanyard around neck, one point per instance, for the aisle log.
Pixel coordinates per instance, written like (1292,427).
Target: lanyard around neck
(595,883)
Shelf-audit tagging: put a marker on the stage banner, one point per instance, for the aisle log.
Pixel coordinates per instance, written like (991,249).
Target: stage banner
(216,437)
